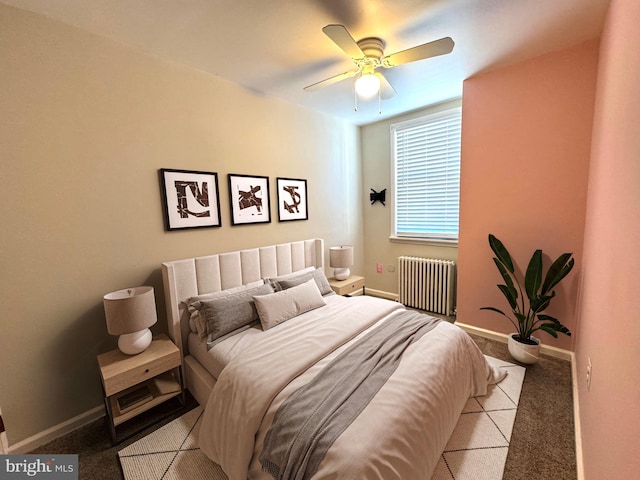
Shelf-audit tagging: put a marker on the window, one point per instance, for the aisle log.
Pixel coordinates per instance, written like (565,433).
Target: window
(426,170)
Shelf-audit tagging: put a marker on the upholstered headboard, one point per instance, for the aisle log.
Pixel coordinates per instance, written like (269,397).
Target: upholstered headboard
(187,278)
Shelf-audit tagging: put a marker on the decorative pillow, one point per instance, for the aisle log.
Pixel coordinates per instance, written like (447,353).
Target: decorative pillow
(196,323)
(228,313)
(278,307)
(316,274)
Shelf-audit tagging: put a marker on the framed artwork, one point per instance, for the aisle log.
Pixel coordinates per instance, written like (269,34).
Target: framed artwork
(292,199)
(249,199)
(191,199)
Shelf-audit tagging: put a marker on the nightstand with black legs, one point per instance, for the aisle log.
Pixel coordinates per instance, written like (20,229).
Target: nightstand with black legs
(133,384)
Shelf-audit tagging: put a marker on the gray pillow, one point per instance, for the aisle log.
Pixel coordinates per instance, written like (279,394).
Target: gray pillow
(231,312)
(317,274)
(197,324)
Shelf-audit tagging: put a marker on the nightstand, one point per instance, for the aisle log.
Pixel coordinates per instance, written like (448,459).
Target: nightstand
(348,286)
(133,384)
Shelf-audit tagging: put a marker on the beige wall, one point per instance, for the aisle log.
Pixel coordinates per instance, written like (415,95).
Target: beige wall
(86,124)
(609,332)
(526,136)
(376,161)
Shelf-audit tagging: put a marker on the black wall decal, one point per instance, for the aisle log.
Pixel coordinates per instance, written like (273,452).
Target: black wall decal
(378,196)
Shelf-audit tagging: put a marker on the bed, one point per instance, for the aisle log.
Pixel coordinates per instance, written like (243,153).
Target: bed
(405,377)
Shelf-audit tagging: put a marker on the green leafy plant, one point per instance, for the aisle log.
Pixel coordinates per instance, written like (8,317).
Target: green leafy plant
(527,312)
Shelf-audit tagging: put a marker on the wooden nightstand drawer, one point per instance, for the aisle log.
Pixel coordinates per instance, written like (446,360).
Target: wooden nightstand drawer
(120,371)
(348,286)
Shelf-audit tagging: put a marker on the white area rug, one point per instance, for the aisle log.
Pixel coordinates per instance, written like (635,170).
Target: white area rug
(477,449)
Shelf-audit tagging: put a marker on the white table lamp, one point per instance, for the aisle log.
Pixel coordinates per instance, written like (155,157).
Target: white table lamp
(130,313)
(341,258)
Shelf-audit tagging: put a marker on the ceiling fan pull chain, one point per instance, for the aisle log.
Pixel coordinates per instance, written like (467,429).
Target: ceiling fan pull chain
(379,102)
(355,100)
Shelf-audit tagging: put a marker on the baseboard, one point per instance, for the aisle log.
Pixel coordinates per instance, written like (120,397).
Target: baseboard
(576,418)
(382,294)
(555,352)
(484,333)
(33,442)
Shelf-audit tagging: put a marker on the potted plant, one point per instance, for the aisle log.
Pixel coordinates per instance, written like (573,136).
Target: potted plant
(527,312)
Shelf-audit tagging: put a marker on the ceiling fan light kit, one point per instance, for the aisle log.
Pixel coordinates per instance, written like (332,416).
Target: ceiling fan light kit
(368,56)
(367,85)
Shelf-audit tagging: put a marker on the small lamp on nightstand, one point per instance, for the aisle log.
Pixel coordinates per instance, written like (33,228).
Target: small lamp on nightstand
(130,313)
(341,258)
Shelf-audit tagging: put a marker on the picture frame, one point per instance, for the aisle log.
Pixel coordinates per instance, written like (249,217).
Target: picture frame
(191,199)
(292,199)
(249,199)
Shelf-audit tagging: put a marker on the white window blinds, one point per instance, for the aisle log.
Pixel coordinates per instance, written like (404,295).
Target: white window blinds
(427,176)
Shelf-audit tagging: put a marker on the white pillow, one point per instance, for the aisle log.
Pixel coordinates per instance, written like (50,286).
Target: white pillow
(278,307)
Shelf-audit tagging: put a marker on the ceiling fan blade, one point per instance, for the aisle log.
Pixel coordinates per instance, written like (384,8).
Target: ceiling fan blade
(386,90)
(426,50)
(341,37)
(330,81)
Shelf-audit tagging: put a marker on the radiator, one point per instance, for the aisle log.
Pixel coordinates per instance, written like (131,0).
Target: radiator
(427,284)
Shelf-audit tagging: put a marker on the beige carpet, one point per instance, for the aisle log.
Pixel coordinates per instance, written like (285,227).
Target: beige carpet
(476,450)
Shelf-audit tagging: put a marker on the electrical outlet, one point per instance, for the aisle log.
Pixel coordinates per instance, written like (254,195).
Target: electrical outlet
(589,373)
(379,267)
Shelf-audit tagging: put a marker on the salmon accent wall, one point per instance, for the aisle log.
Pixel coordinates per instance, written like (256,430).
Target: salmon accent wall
(609,301)
(526,137)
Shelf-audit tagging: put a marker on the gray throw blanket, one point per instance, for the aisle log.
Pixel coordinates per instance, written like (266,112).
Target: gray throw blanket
(311,418)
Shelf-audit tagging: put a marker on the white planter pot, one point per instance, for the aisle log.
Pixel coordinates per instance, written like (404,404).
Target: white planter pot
(522,352)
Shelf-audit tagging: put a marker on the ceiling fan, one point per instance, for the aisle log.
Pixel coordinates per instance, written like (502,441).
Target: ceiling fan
(368,55)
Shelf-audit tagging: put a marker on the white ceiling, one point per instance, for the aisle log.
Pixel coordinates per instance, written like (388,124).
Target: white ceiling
(276,47)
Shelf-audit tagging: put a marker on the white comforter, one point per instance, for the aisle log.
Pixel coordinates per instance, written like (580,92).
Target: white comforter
(399,435)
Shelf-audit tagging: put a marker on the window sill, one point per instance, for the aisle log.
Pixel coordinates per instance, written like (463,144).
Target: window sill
(438,242)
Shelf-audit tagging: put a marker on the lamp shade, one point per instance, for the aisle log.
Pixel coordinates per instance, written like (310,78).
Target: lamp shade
(130,310)
(341,257)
